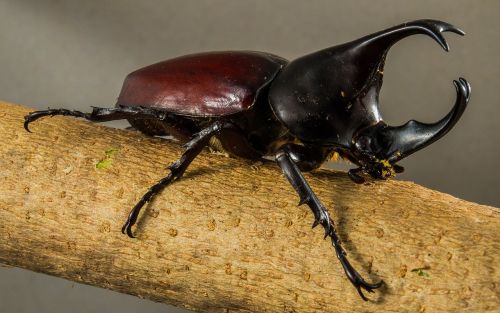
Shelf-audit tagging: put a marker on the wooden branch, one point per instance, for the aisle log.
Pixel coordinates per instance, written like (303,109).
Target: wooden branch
(230,238)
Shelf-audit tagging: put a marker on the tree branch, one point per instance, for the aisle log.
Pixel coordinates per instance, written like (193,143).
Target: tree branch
(227,236)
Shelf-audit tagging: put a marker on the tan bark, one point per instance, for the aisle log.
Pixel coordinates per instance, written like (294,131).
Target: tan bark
(230,238)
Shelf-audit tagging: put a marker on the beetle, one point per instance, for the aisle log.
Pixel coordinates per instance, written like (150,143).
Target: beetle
(255,104)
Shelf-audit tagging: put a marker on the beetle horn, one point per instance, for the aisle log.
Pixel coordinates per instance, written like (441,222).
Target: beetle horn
(354,66)
(401,141)
(376,45)
(386,38)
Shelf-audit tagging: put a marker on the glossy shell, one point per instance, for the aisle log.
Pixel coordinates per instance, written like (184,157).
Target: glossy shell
(205,84)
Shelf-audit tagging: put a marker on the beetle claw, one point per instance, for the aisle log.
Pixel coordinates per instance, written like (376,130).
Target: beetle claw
(35,115)
(26,123)
(127,229)
(367,287)
(354,277)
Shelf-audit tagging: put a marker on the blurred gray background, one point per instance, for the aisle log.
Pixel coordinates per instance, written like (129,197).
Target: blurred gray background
(75,54)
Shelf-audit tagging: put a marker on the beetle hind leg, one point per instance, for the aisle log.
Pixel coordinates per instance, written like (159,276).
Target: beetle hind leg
(321,216)
(98,114)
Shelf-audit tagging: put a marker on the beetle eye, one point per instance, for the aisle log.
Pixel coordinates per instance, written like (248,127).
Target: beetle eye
(363,143)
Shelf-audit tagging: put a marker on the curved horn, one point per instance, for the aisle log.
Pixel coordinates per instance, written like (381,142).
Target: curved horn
(433,28)
(405,139)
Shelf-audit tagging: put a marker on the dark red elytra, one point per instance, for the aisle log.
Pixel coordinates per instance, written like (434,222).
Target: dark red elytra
(204,84)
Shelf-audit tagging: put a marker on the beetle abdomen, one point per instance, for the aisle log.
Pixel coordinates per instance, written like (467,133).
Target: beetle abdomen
(206,84)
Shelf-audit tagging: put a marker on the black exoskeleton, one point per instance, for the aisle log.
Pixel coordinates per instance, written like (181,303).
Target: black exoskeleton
(300,112)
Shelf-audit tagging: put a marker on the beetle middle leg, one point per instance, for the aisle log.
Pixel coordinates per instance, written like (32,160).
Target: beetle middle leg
(287,158)
(177,169)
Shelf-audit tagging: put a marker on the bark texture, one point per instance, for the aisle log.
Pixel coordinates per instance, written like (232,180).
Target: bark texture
(227,237)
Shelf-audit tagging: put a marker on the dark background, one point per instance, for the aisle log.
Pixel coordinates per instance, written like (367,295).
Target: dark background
(75,54)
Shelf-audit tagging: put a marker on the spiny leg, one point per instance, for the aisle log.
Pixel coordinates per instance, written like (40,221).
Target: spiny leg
(193,148)
(307,196)
(98,114)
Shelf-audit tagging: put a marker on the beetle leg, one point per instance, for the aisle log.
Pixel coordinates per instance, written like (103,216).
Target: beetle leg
(354,175)
(98,114)
(321,216)
(177,169)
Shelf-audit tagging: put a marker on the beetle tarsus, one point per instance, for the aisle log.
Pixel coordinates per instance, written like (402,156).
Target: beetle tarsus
(33,116)
(177,169)
(297,180)
(354,277)
(354,175)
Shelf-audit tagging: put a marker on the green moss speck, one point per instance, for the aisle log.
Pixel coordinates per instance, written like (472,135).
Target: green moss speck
(111,152)
(102,164)
(106,161)
(421,272)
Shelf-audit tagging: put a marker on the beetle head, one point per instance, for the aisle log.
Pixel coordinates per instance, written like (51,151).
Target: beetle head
(369,150)
(330,98)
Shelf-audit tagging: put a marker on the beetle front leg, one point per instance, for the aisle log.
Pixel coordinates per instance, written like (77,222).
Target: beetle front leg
(177,169)
(354,175)
(307,196)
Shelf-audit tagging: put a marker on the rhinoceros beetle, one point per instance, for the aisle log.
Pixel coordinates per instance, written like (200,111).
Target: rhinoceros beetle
(254,104)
